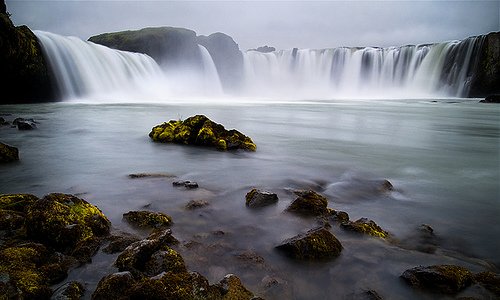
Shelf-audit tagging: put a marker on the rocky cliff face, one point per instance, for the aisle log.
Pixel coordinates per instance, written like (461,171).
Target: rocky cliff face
(486,80)
(24,76)
(227,57)
(168,46)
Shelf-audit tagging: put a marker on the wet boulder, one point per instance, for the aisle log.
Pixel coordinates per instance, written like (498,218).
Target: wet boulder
(151,256)
(257,198)
(8,153)
(148,219)
(491,99)
(26,125)
(446,279)
(62,221)
(186,183)
(27,271)
(201,131)
(119,242)
(113,286)
(365,226)
(490,281)
(309,203)
(195,204)
(316,244)
(232,288)
(73,290)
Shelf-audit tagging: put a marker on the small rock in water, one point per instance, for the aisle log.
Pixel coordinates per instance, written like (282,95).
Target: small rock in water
(365,226)
(150,219)
(316,244)
(309,203)
(257,198)
(3,122)
(194,204)
(446,279)
(186,183)
(8,153)
(150,175)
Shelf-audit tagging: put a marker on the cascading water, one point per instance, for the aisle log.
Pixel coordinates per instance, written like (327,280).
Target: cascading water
(409,71)
(84,69)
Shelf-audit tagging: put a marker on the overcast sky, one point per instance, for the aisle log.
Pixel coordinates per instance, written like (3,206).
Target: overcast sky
(282,24)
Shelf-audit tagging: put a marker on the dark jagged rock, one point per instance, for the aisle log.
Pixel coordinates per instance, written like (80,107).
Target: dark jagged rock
(264,49)
(119,242)
(85,249)
(113,286)
(490,281)
(316,244)
(339,216)
(309,203)
(3,122)
(62,221)
(73,290)
(201,131)
(26,125)
(194,204)
(486,79)
(151,256)
(149,219)
(257,198)
(168,46)
(446,279)
(24,75)
(227,58)
(491,99)
(8,153)
(186,183)
(232,288)
(28,270)
(365,226)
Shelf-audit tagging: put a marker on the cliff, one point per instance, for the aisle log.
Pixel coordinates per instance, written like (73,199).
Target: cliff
(486,80)
(24,75)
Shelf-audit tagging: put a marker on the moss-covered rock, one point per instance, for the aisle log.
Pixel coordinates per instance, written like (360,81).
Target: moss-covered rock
(119,242)
(114,286)
(365,226)
(201,131)
(232,288)
(27,270)
(24,74)
(62,221)
(489,280)
(8,153)
(309,203)
(148,219)
(446,279)
(257,198)
(151,256)
(168,46)
(491,99)
(17,202)
(316,244)
(73,290)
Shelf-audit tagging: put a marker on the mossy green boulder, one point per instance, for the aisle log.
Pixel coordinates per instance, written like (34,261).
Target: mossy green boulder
(446,279)
(316,244)
(365,226)
(62,221)
(148,219)
(201,131)
(8,153)
(309,203)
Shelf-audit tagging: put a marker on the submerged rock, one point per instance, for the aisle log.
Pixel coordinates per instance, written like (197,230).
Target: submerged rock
(316,244)
(26,125)
(149,219)
(194,204)
(423,239)
(490,281)
(365,226)
(201,131)
(186,183)
(62,221)
(8,153)
(309,203)
(446,279)
(257,198)
(113,286)
(491,99)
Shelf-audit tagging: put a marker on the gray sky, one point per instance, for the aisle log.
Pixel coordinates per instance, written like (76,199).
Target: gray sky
(282,24)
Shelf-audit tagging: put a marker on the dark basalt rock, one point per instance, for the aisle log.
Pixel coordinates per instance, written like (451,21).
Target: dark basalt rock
(62,221)
(149,219)
(316,244)
(201,131)
(309,203)
(446,279)
(486,78)
(114,286)
(490,281)
(24,75)
(150,175)
(365,226)
(232,288)
(119,242)
(8,153)
(26,125)
(257,198)
(151,256)
(73,290)
(491,99)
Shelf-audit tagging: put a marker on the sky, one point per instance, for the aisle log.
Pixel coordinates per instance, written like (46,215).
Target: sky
(281,24)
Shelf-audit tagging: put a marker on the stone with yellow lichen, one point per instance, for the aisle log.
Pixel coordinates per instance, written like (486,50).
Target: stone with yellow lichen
(309,203)
(62,221)
(201,131)
(149,219)
(446,279)
(318,243)
(365,226)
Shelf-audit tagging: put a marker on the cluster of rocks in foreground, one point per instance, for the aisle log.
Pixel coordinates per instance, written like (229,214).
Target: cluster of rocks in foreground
(42,239)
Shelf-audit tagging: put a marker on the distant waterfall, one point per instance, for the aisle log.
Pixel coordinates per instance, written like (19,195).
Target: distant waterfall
(409,71)
(212,81)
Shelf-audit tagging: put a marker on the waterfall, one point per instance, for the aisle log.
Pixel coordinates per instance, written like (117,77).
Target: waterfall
(443,69)
(84,68)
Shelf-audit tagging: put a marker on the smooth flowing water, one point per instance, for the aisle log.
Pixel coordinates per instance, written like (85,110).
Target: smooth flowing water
(442,158)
